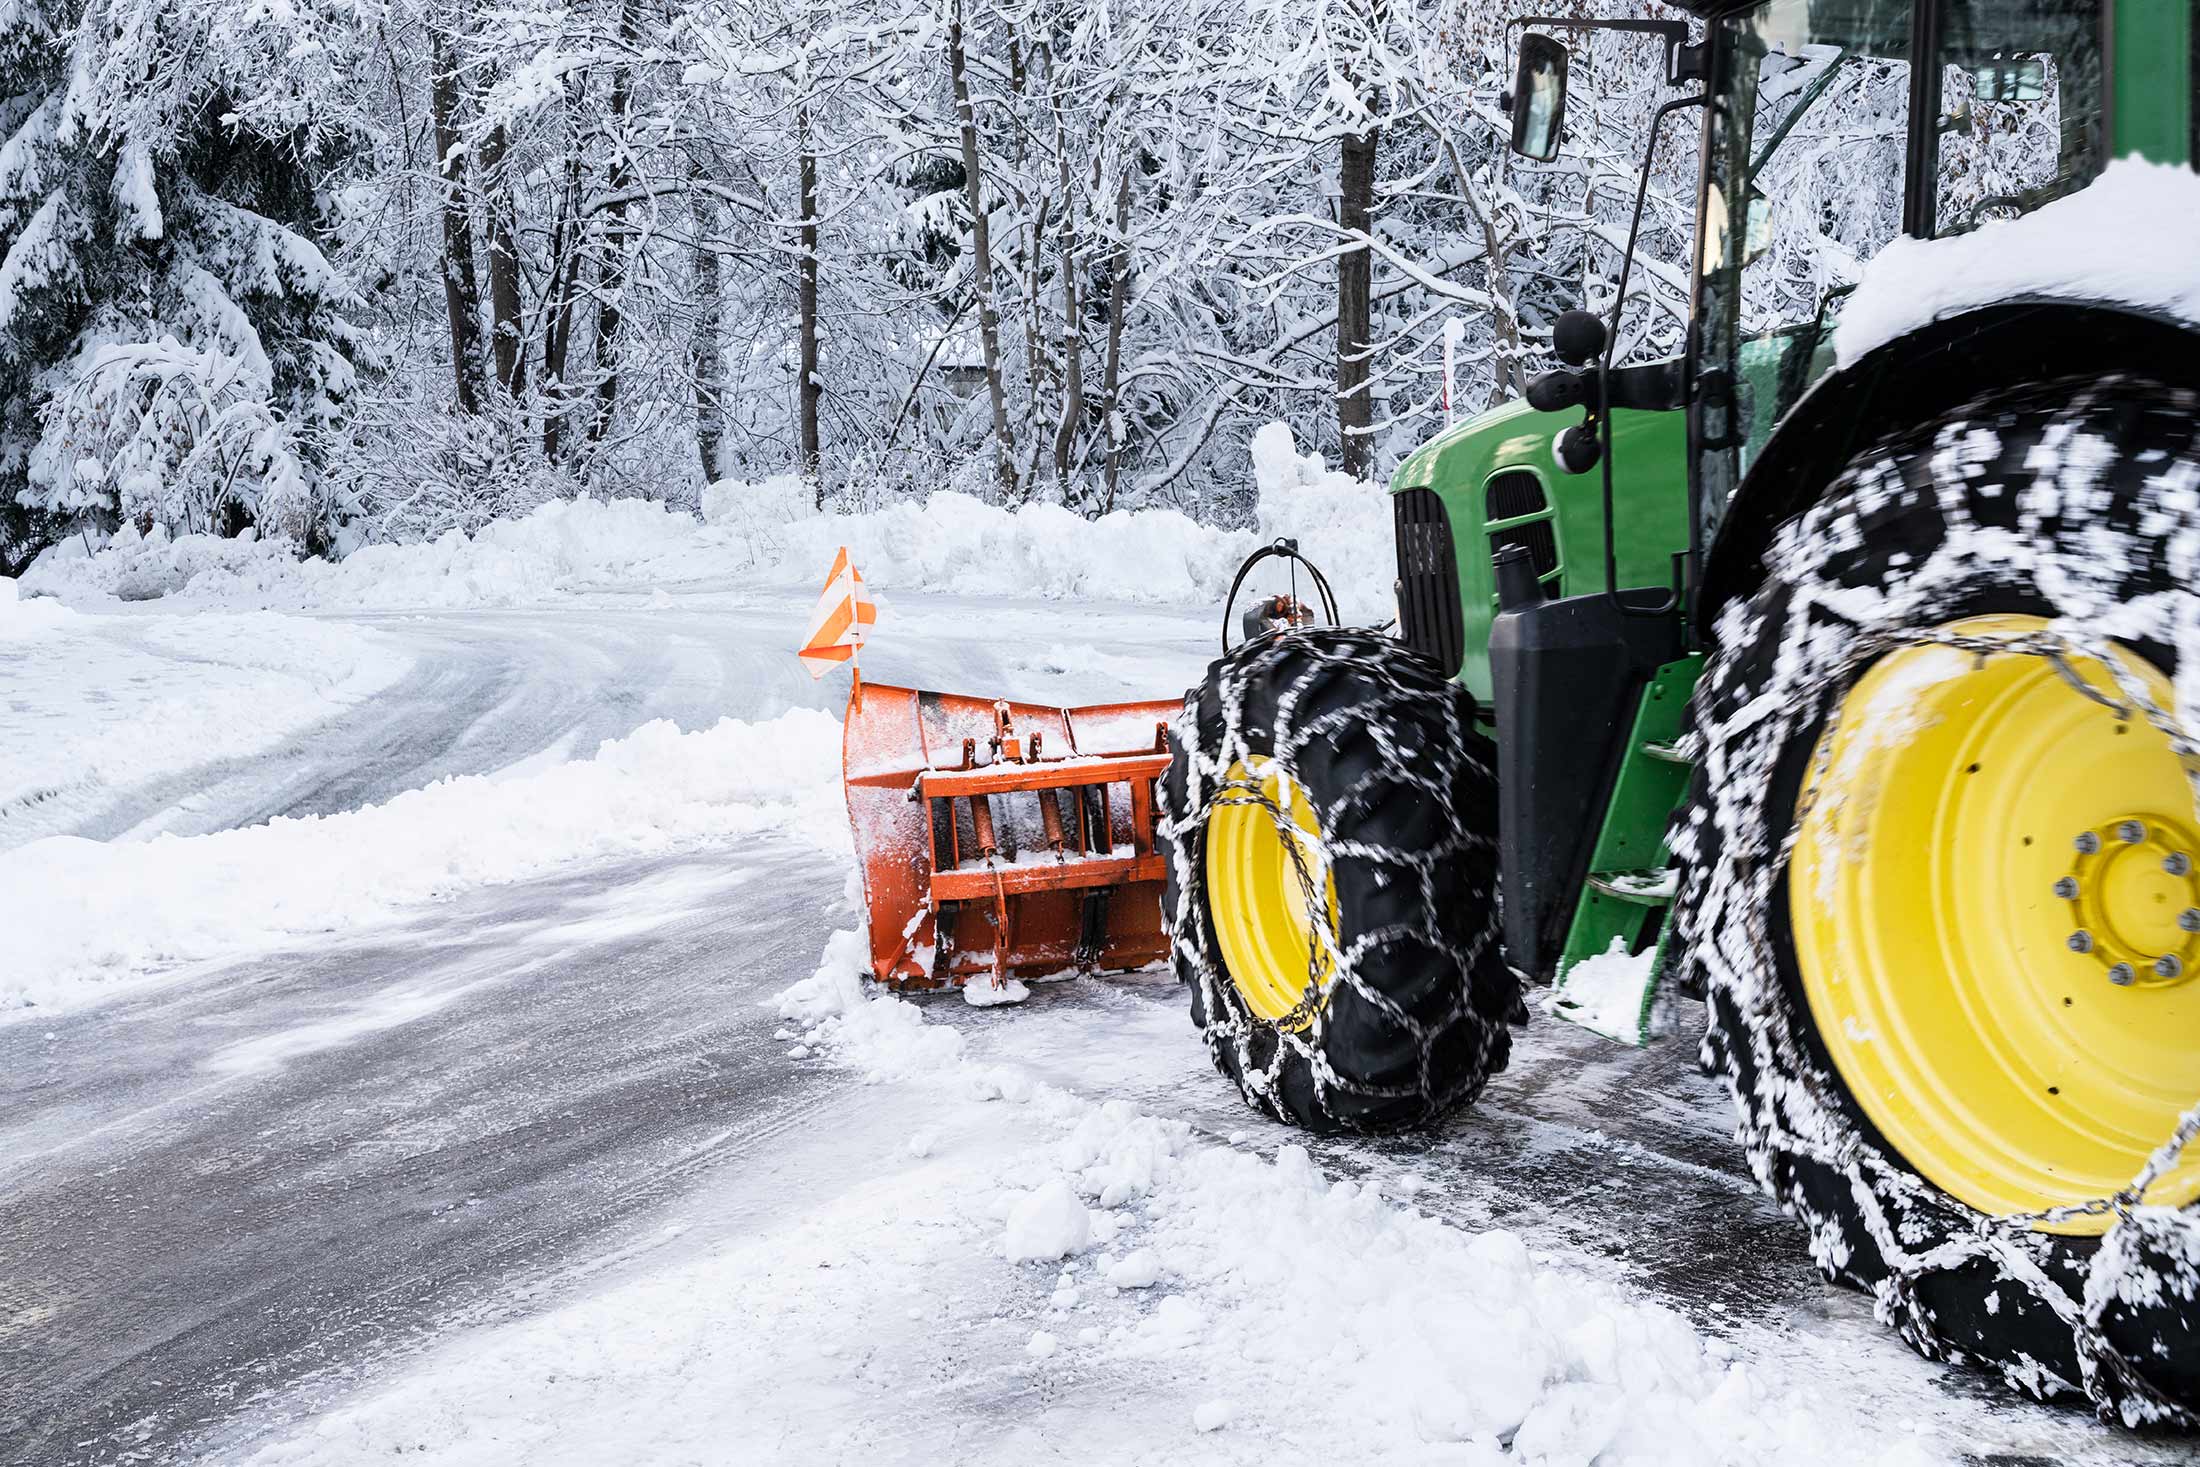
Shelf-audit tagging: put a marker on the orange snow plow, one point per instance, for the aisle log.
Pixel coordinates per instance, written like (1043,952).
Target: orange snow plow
(1003,839)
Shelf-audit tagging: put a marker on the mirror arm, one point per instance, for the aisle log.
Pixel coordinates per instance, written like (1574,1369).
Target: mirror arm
(1650,387)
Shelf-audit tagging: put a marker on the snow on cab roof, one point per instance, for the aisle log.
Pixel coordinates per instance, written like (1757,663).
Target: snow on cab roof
(2126,239)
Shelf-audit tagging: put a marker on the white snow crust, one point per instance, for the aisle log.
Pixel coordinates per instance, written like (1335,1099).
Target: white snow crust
(97,705)
(2128,238)
(81,915)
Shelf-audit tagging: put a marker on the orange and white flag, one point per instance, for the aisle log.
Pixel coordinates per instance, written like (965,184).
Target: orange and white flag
(844,613)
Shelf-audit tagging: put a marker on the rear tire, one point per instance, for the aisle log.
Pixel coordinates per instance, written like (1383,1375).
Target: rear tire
(2072,500)
(1410,1020)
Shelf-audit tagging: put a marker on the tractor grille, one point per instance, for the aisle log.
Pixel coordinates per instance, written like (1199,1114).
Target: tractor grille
(1515,494)
(1428,579)
(1511,496)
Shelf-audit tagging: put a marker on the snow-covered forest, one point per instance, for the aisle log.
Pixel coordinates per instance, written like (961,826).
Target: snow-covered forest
(355,270)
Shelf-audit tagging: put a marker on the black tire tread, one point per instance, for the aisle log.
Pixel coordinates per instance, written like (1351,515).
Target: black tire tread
(1405,789)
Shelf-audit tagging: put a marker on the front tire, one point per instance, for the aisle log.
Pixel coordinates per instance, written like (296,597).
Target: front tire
(1329,819)
(1851,999)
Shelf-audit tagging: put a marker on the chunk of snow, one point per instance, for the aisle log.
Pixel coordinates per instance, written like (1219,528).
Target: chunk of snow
(1040,1345)
(2126,238)
(923,1143)
(1213,1415)
(982,993)
(1047,1224)
(1138,1269)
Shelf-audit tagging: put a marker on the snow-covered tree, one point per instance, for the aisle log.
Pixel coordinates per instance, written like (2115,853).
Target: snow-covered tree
(173,343)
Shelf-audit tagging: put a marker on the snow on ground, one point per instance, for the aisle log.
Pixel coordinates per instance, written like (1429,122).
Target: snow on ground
(768,534)
(82,915)
(1034,1272)
(2151,212)
(99,704)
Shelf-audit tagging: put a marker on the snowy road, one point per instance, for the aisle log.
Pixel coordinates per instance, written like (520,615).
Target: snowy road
(272,1170)
(227,1201)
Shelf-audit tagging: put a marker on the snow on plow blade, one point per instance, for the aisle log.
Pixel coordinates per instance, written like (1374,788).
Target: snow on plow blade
(1004,839)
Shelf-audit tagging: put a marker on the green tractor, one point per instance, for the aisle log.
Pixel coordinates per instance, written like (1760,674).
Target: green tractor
(1826,675)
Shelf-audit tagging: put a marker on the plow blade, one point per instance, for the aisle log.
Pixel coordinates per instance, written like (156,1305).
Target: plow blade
(1002,839)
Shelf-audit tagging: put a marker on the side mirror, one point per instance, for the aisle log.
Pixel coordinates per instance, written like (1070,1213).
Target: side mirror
(1539,98)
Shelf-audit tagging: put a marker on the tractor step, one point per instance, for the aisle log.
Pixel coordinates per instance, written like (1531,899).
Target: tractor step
(1603,983)
(1645,888)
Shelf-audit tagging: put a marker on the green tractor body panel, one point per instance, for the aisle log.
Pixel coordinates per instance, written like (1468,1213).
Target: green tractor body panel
(1499,484)
(2151,81)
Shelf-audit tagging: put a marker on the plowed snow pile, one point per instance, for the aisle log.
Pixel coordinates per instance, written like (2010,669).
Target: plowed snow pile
(81,915)
(767,534)
(1020,1274)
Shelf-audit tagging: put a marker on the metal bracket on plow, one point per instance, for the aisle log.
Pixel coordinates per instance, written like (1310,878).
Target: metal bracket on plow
(1004,839)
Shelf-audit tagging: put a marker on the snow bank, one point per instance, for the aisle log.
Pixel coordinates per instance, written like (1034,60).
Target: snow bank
(81,914)
(1045,1269)
(1419,1333)
(99,705)
(2127,238)
(768,534)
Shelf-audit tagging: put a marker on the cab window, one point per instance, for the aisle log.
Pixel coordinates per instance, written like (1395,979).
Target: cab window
(2021,106)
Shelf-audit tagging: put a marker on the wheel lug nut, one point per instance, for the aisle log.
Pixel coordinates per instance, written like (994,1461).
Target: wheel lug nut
(2177,863)
(2122,975)
(2066,887)
(2131,832)
(2189,919)
(2087,843)
(2081,941)
(2168,965)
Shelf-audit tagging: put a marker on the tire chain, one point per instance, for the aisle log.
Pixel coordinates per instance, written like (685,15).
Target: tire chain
(1431,770)
(1768,721)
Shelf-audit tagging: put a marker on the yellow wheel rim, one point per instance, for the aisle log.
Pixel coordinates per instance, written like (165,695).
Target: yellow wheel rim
(1963,820)
(1263,920)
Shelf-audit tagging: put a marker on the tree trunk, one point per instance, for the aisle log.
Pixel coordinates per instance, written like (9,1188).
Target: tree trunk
(563,291)
(504,328)
(707,344)
(1119,299)
(618,235)
(1073,332)
(461,292)
(806,297)
(1355,272)
(981,244)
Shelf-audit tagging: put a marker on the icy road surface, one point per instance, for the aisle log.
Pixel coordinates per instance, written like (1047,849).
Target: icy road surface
(353,1175)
